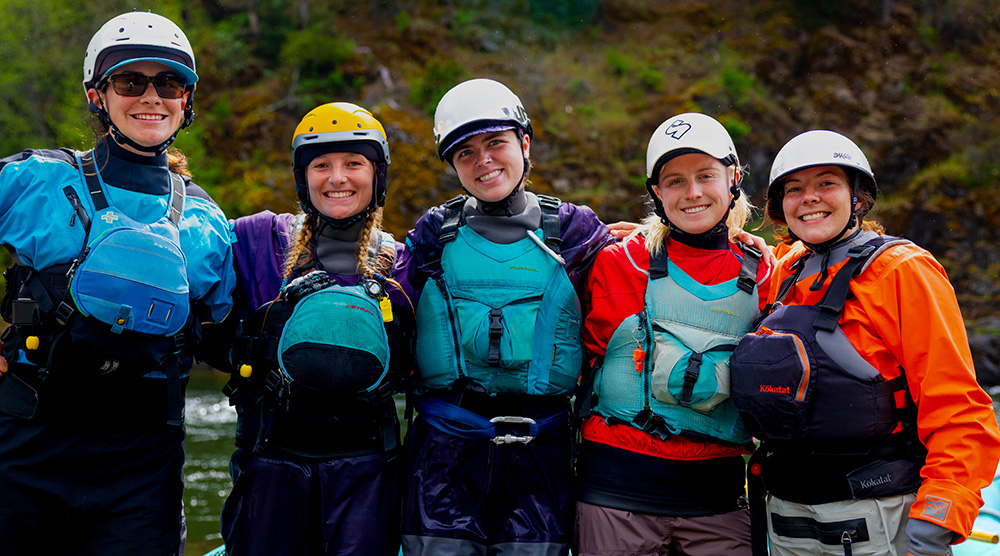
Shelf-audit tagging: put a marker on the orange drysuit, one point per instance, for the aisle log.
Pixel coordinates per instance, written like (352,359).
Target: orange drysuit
(902,314)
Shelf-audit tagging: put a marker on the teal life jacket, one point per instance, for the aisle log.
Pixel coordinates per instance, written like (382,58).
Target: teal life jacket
(501,318)
(686,333)
(317,359)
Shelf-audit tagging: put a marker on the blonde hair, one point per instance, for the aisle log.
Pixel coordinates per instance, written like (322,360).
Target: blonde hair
(177,162)
(301,252)
(656,231)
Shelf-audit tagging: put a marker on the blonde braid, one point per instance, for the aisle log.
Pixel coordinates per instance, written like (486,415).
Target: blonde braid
(372,226)
(303,243)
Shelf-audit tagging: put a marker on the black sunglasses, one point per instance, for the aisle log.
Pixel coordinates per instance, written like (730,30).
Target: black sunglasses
(134,85)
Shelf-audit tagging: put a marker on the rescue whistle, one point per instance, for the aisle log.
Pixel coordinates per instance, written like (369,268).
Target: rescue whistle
(386,306)
(638,355)
(245,370)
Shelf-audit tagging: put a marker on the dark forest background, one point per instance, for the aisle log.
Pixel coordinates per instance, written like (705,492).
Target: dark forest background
(915,83)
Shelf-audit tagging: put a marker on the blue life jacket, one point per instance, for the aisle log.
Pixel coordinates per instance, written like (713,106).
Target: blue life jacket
(131,275)
(501,318)
(687,332)
(122,303)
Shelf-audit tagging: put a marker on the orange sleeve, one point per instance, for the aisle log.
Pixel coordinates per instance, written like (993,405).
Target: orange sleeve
(914,315)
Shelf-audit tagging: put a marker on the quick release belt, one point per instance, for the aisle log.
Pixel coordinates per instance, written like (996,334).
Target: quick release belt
(502,429)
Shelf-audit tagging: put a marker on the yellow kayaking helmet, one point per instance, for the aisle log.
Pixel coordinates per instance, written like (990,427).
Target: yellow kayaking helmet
(340,127)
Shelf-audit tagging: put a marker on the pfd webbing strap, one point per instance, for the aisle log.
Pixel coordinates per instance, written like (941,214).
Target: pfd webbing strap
(658,263)
(551,228)
(100,200)
(452,219)
(748,271)
(462,423)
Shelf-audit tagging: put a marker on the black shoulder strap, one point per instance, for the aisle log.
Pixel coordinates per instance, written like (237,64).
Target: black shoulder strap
(93,182)
(551,227)
(836,294)
(787,283)
(748,272)
(452,219)
(658,263)
(89,170)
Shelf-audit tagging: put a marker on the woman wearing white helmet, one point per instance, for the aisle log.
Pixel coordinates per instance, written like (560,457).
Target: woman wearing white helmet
(876,437)
(318,343)
(498,350)
(119,257)
(660,466)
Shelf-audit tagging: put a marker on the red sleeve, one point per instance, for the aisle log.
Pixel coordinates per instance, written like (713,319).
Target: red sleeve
(615,290)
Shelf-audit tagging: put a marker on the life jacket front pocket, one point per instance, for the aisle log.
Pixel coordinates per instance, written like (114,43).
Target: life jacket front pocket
(772,375)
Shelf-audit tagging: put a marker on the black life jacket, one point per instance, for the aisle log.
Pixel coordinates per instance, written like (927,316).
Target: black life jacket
(824,415)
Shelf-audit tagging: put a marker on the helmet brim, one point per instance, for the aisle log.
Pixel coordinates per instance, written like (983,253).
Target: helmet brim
(484,127)
(183,71)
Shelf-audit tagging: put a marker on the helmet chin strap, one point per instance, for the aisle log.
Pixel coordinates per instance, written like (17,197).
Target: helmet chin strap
(123,139)
(341,224)
(502,207)
(719,227)
(852,221)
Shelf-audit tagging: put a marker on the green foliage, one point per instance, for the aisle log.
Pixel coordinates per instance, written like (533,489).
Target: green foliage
(637,77)
(403,21)
(619,64)
(564,13)
(738,129)
(737,85)
(428,89)
(318,52)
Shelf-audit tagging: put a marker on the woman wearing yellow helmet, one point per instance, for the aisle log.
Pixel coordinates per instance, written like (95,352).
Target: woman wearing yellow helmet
(322,343)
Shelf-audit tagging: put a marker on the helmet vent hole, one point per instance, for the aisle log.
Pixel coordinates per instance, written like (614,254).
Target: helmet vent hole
(121,30)
(334,122)
(311,128)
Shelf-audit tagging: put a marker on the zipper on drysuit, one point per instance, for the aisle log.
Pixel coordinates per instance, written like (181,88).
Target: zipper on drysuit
(78,210)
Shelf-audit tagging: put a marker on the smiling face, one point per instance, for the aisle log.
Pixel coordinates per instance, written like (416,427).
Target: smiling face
(817,203)
(694,190)
(340,184)
(490,165)
(147,119)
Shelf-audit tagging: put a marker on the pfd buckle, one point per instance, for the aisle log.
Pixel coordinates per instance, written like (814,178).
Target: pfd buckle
(496,322)
(510,438)
(63,312)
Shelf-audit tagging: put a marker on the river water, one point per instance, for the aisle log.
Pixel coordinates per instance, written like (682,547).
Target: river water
(211,423)
(210,426)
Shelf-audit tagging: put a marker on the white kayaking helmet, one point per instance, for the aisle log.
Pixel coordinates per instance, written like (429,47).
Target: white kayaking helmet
(690,133)
(473,107)
(818,147)
(685,134)
(138,37)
